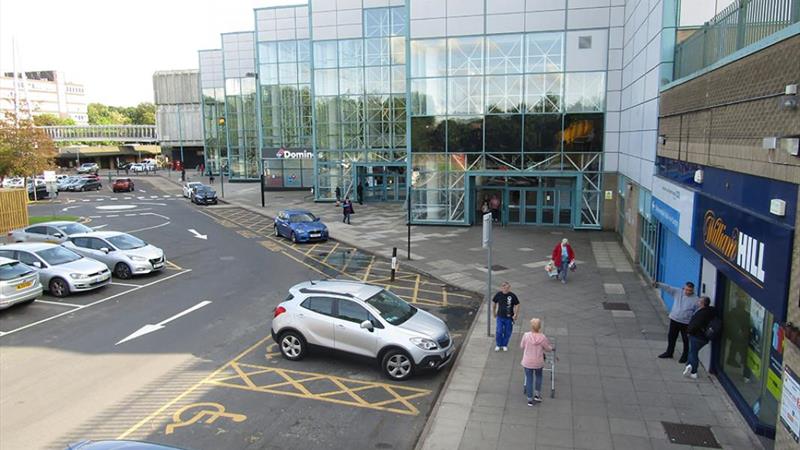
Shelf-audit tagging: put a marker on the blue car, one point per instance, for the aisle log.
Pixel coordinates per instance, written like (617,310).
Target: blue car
(300,226)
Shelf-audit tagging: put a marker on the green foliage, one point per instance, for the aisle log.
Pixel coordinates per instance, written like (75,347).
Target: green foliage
(24,149)
(48,120)
(141,114)
(39,219)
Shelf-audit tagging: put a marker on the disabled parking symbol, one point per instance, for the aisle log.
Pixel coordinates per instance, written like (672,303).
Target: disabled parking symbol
(208,412)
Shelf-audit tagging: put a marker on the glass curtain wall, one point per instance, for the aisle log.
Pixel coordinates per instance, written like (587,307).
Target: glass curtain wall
(240,105)
(212,86)
(360,101)
(501,104)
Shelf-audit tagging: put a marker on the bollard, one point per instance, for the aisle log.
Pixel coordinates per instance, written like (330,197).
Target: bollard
(394,261)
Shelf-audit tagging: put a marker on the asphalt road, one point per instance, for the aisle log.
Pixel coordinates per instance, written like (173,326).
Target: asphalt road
(211,378)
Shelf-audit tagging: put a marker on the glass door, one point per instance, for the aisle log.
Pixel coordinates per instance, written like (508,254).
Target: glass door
(548,208)
(564,207)
(514,205)
(532,206)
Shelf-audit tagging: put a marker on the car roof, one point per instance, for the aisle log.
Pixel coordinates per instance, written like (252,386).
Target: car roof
(29,246)
(54,223)
(98,234)
(297,211)
(345,288)
(193,182)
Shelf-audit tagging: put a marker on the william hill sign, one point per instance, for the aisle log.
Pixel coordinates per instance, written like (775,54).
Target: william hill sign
(753,252)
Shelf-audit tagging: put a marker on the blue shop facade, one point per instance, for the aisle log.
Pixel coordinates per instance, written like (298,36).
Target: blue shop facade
(715,228)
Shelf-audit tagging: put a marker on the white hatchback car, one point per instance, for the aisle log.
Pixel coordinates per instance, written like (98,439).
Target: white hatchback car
(125,255)
(364,320)
(18,283)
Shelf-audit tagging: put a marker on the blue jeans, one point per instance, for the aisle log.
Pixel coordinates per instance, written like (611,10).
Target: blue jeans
(503,333)
(564,270)
(695,344)
(529,388)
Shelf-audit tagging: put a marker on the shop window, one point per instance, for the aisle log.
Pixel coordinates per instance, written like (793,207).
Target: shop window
(464,134)
(503,133)
(428,134)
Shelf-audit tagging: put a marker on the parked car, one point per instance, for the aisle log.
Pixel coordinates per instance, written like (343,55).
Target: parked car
(18,283)
(88,168)
(86,184)
(204,195)
(41,192)
(13,182)
(189,187)
(55,232)
(122,185)
(61,271)
(300,225)
(137,167)
(91,176)
(64,184)
(118,445)
(124,254)
(364,320)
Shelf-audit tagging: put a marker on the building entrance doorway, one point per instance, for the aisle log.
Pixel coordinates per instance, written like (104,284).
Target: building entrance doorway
(529,200)
(380,183)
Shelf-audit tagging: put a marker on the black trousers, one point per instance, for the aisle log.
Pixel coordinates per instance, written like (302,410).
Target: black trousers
(672,337)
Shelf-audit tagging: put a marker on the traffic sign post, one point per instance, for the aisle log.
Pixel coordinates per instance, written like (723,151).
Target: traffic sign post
(486,242)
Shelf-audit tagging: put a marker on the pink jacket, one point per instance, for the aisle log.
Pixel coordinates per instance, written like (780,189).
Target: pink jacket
(533,346)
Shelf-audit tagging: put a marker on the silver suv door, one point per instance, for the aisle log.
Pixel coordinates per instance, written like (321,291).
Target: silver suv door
(349,335)
(314,318)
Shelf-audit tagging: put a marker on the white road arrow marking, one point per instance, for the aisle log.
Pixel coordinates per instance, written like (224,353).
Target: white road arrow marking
(100,226)
(196,234)
(149,328)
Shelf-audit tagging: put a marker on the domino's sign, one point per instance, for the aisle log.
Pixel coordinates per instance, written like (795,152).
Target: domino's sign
(286,154)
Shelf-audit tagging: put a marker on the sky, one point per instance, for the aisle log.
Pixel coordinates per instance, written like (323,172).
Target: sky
(113,47)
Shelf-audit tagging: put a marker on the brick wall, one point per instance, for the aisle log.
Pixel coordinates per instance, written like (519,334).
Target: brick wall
(731,136)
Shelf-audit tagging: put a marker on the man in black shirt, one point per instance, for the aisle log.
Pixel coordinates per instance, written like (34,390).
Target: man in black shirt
(506,308)
(697,334)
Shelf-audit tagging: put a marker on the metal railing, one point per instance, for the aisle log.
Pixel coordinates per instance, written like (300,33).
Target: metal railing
(103,133)
(742,23)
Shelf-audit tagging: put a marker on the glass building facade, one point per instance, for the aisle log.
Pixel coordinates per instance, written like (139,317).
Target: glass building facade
(212,87)
(421,97)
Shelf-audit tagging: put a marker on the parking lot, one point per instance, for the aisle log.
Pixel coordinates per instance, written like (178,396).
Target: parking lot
(232,386)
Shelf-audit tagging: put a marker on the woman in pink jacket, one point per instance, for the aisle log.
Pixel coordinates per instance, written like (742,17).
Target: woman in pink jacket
(533,346)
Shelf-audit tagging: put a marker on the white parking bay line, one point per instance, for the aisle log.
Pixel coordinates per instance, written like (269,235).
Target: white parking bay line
(127,198)
(153,196)
(85,201)
(48,302)
(102,300)
(130,215)
(117,283)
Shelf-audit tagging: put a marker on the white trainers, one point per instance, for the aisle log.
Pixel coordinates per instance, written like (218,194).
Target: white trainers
(505,349)
(693,376)
(497,349)
(687,370)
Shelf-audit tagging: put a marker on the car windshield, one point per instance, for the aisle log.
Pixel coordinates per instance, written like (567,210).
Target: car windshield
(74,228)
(392,308)
(302,217)
(126,242)
(58,255)
(205,190)
(13,270)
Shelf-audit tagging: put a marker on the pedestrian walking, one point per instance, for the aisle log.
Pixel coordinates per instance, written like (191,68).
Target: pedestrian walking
(211,178)
(347,210)
(533,344)
(506,308)
(564,258)
(338,193)
(684,304)
(699,334)
(485,206)
(494,206)
(183,174)
(360,193)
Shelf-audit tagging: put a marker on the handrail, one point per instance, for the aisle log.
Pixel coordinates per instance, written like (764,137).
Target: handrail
(97,133)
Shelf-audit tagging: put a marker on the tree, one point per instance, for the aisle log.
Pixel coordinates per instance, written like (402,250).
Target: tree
(141,114)
(24,149)
(48,120)
(144,114)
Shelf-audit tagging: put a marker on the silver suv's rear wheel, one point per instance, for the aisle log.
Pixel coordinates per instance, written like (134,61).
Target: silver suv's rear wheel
(293,346)
(397,365)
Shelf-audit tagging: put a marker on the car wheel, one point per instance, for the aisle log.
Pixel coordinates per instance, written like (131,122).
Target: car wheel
(275,229)
(397,365)
(122,271)
(293,346)
(58,287)
(294,238)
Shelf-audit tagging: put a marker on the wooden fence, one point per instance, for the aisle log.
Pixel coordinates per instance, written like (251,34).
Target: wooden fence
(13,209)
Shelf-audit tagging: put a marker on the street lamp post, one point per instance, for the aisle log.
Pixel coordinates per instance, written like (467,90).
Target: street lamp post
(180,135)
(220,125)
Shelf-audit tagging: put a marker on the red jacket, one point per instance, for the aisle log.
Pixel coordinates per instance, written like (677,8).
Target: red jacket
(556,256)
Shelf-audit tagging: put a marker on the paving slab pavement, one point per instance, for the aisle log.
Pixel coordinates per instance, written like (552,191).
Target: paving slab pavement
(610,389)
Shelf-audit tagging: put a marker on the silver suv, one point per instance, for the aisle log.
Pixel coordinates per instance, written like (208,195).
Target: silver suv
(364,320)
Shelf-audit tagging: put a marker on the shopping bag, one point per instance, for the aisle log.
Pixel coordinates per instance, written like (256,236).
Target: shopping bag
(572,266)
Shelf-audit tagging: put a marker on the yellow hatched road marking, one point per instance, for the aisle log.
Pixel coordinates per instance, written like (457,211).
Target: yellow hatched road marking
(325,260)
(369,268)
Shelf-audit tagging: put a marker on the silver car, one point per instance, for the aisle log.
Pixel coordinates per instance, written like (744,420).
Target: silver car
(361,319)
(61,271)
(124,254)
(55,232)
(18,283)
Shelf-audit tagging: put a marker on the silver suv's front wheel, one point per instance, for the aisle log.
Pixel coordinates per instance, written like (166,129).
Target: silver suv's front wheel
(293,346)
(397,365)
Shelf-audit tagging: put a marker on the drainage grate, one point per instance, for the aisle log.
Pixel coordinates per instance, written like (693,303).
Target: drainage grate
(695,435)
(616,306)
(497,267)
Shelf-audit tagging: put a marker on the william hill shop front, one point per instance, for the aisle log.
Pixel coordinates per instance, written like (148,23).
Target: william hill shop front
(746,252)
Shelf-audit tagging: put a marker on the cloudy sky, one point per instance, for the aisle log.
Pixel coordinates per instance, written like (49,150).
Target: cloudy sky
(114,46)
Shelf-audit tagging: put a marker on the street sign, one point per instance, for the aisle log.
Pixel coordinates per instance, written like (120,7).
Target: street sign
(487,230)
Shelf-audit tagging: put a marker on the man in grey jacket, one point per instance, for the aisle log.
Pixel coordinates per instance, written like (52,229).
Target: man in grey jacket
(684,305)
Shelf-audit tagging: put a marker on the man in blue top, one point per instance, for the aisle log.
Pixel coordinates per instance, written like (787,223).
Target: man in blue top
(684,305)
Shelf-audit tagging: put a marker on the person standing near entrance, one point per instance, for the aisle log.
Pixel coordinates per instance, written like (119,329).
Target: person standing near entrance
(698,335)
(494,206)
(338,192)
(684,304)
(347,210)
(563,256)
(506,309)
(360,193)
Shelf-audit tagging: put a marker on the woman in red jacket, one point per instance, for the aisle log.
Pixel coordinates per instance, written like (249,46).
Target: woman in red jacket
(563,256)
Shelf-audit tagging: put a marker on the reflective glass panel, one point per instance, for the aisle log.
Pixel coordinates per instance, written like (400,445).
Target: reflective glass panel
(585,92)
(287,51)
(542,133)
(428,96)
(428,58)
(465,95)
(376,22)
(583,132)
(465,56)
(351,81)
(465,134)
(543,92)
(377,52)
(398,21)
(544,52)
(428,134)
(504,54)
(503,94)
(503,133)
(326,82)
(325,54)
(351,53)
